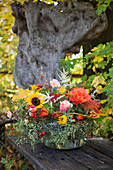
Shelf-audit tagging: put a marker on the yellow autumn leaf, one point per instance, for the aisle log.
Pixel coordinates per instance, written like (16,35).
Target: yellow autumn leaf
(22,94)
(109,111)
(98,59)
(93,68)
(103,46)
(20,163)
(103,101)
(97,80)
(77,70)
(94,49)
(105,56)
(99,89)
(89,53)
(96,65)
(102,81)
(35,0)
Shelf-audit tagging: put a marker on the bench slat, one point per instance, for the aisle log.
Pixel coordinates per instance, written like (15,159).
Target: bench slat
(104,146)
(87,160)
(96,154)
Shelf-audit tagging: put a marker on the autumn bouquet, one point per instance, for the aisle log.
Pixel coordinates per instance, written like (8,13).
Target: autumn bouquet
(57,113)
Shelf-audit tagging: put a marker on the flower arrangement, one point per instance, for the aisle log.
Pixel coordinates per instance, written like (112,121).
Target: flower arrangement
(56,113)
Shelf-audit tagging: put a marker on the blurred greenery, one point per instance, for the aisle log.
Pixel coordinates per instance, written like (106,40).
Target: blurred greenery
(10,157)
(8,50)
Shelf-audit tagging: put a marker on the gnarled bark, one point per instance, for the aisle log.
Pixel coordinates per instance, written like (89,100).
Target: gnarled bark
(47,32)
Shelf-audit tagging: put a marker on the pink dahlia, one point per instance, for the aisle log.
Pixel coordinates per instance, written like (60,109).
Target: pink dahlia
(64,105)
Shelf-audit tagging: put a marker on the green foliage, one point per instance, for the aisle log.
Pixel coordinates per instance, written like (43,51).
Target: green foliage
(102,5)
(99,58)
(102,80)
(106,128)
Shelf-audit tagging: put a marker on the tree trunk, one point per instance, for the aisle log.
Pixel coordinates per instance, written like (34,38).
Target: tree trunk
(47,32)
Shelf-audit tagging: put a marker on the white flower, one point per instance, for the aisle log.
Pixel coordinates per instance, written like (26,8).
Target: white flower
(26,121)
(58,98)
(55,83)
(47,97)
(65,78)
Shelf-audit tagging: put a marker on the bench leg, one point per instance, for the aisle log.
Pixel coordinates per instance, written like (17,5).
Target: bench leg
(2,135)
(2,142)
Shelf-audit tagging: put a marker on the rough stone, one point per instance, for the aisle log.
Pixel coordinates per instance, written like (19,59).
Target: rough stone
(47,32)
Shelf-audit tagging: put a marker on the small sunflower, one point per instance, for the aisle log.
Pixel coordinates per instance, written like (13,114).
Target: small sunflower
(35,99)
(62,120)
(34,87)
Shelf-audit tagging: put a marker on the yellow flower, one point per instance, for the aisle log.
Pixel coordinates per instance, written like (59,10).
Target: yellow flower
(88,90)
(35,99)
(62,119)
(22,94)
(61,90)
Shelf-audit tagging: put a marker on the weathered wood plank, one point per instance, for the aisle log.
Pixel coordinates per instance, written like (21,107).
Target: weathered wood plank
(87,160)
(96,154)
(104,146)
(55,159)
(47,158)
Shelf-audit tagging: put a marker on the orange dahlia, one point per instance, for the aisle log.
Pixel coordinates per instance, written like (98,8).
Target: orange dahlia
(79,95)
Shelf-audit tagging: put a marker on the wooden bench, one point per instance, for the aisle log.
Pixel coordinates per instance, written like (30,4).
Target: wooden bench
(96,154)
